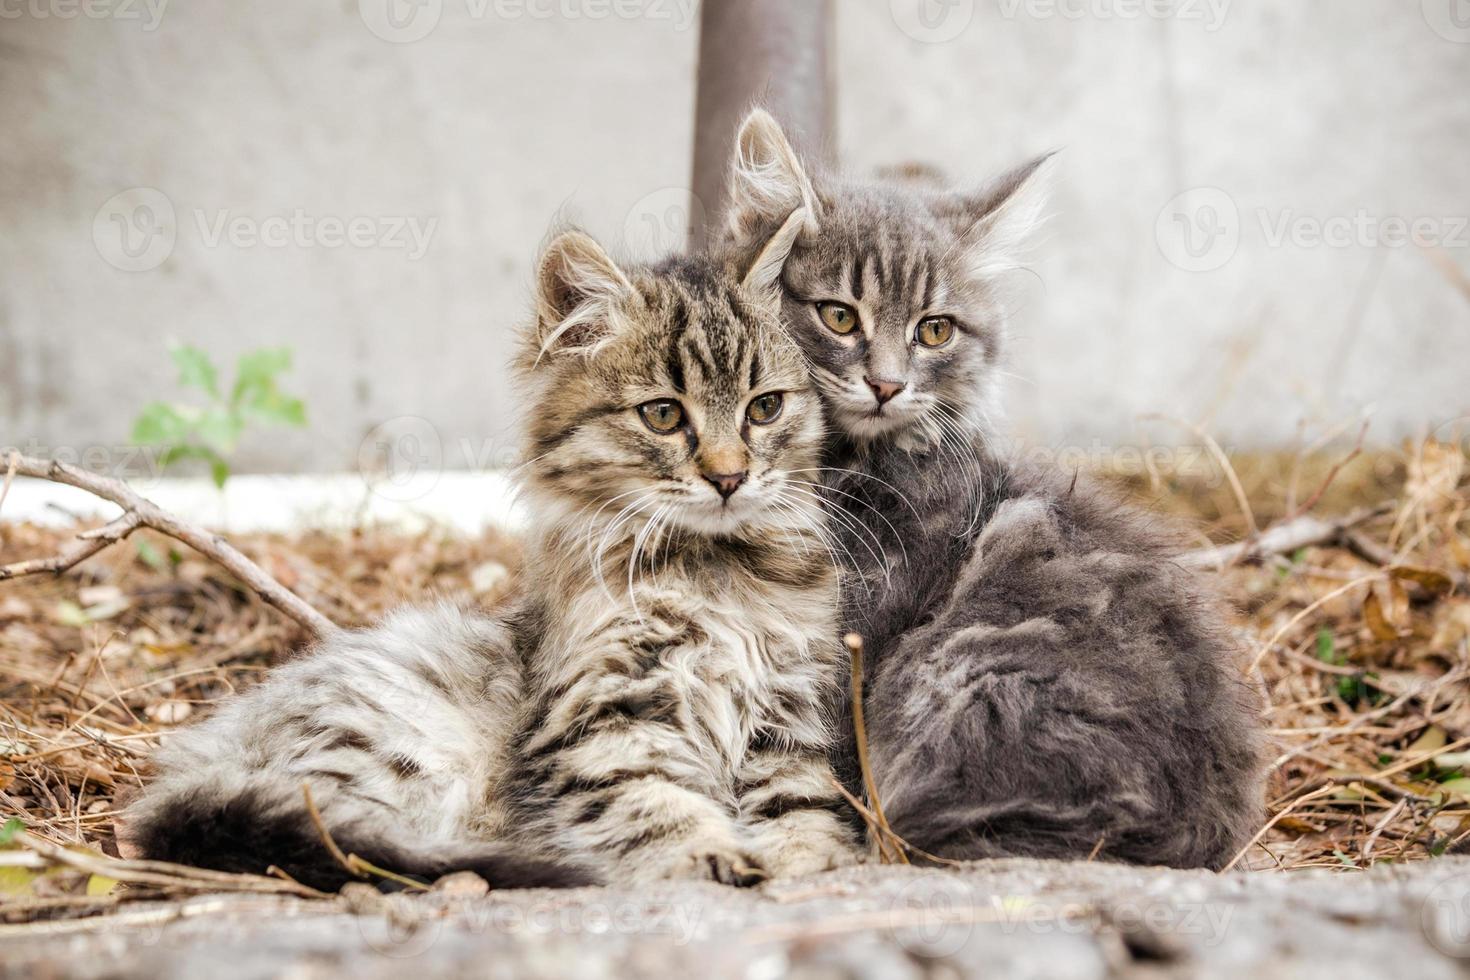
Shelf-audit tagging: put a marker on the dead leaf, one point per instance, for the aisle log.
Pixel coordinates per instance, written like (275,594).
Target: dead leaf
(1432,581)
(1433,739)
(1376,620)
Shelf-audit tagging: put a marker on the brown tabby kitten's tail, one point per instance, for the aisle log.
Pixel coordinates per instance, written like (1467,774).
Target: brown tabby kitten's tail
(399,731)
(250,832)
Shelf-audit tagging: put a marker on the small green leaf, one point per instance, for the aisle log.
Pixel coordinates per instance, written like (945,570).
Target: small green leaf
(196,370)
(219,471)
(11,830)
(1326,647)
(255,374)
(279,409)
(220,429)
(160,424)
(151,556)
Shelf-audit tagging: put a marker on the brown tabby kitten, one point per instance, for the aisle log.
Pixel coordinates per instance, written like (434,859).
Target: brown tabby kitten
(658,708)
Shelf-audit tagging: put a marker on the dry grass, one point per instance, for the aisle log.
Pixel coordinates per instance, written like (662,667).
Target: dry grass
(1361,649)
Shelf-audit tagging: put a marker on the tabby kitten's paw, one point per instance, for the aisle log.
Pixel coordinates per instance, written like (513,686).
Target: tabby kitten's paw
(726,865)
(809,855)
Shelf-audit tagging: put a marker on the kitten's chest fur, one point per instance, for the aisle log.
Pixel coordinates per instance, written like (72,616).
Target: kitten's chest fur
(737,640)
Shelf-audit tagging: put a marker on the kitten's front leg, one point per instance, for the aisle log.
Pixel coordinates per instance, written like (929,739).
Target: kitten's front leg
(800,824)
(628,782)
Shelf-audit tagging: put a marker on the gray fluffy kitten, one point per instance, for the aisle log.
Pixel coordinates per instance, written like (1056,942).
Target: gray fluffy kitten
(1043,679)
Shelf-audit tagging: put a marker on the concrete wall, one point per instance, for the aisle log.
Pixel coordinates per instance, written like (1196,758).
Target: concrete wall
(128,142)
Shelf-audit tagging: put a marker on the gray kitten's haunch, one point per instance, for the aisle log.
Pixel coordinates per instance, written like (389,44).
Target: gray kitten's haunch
(1043,679)
(658,708)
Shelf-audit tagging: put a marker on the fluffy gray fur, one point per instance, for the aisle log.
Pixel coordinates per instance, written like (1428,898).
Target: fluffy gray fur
(1043,679)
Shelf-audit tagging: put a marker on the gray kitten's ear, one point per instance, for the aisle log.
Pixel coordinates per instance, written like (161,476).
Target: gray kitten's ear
(578,290)
(767,181)
(764,274)
(1001,219)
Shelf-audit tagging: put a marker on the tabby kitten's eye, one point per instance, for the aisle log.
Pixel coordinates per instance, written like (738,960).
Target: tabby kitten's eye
(838,317)
(935,331)
(662,416)
(765,409)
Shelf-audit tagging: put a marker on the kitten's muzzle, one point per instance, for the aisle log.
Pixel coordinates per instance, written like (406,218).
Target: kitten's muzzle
(885,390)
(726,483)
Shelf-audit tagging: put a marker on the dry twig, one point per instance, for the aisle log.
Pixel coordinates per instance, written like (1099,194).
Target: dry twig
(854,645)
(140,512)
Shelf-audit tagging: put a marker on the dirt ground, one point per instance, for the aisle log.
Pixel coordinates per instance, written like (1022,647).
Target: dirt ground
(1359,644)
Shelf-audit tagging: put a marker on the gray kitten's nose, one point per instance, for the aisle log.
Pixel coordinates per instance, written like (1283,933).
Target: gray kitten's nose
(726,483)
(885,390)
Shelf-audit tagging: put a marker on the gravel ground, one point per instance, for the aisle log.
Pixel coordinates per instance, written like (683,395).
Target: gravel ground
(1002,918)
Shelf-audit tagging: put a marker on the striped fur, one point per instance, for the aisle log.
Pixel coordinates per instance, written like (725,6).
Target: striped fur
(680,681)
(1042,679)
(659,707)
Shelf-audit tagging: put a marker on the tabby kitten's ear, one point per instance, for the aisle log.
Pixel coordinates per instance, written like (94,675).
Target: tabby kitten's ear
(579,290)
(767,181)
(998,221)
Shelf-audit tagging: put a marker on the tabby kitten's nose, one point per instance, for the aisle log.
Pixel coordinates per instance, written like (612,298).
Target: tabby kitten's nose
(885,390)
(726,483)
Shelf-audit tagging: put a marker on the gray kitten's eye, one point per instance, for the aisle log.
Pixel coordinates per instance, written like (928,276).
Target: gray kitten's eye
(662,416)
(935,331)
(765,409)
(838,317)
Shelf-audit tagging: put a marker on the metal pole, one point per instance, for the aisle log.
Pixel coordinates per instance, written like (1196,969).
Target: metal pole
(772,52)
